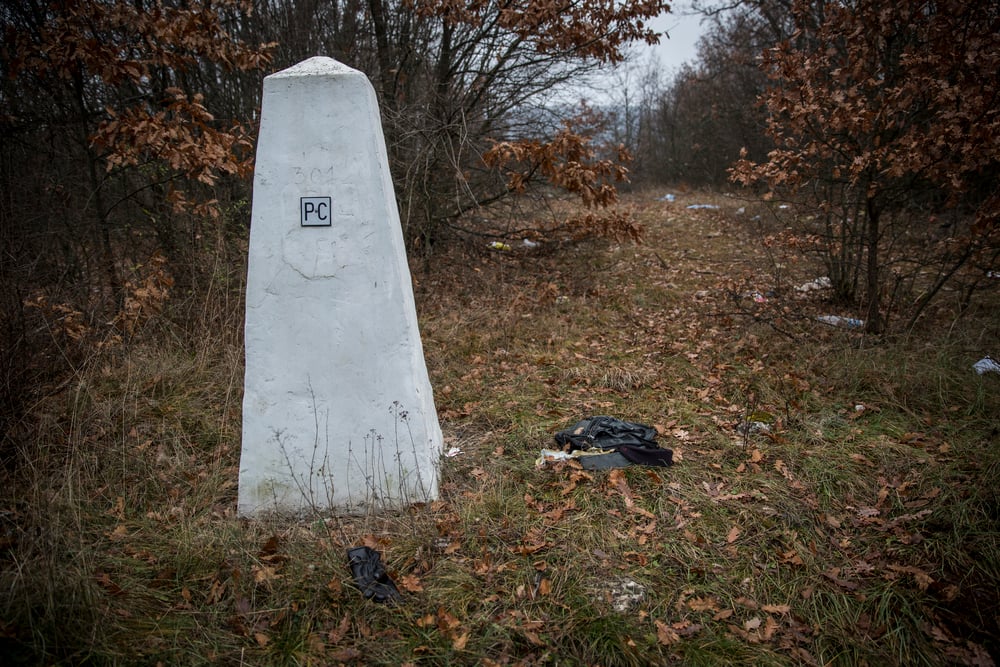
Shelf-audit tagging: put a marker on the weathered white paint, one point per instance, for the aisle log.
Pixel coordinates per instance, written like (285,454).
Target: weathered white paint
(338,412)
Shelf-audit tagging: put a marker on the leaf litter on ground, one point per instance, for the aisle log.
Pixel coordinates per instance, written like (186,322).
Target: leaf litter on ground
(836,534)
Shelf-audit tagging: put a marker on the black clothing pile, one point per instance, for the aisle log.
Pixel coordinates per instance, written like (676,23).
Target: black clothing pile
(613,443)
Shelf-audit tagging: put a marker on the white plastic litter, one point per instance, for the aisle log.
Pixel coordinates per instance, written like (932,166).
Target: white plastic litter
(553,455)
(705,206)
(550,455)
(838,321)
(528,243)
(628,595)
(668,197)
(986,365)
(453,452)
(823,282)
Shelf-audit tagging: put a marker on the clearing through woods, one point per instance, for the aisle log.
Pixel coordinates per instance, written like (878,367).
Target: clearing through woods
(833,498)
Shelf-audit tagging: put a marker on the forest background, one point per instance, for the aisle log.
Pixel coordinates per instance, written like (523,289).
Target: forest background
(859,139)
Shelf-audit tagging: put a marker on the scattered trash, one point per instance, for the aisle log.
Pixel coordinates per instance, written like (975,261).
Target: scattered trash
(528,243)
(704,206)
(760,297)
(860,407)
(499,245)
(618,443)
(453,452)
(370,576)
(555,455)
(590,459)
(668,197)
(822,282)
(753,427)
(627,595)
(758,421)
(838,321)
(993,274)
(741,210)
(783,207)
(986,365)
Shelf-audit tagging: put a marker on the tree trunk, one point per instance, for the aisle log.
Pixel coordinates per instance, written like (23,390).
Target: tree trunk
(873,320)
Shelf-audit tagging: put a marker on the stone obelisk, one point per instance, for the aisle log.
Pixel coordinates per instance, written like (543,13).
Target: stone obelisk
(338,412)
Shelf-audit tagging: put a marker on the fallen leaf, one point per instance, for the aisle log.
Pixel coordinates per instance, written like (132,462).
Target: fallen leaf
(665,634)
(411,583)
(533,638)
(922,578)
(713,490)
(263,574)
(338,633)
(686,628)
(459,642)
(447,622)
(861,458)
(104,581)
(271,546)
(734,533)
(834,576)
(752,623)
(215,592)
(776,608)
(348,654)
(791,557)
(120,532)
(617,478)
(770,627)
(703,604)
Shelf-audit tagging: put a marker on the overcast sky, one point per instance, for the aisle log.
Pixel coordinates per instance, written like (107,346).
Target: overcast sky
(684,29)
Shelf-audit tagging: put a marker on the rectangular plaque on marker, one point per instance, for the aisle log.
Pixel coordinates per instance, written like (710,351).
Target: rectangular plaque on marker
(315,211)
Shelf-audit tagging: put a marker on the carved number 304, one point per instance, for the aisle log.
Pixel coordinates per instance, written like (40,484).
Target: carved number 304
(314,176)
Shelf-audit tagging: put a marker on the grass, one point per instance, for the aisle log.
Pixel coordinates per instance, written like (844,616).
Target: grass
(861,529)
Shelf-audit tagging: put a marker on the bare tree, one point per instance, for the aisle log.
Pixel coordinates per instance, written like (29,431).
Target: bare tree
(883,114)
